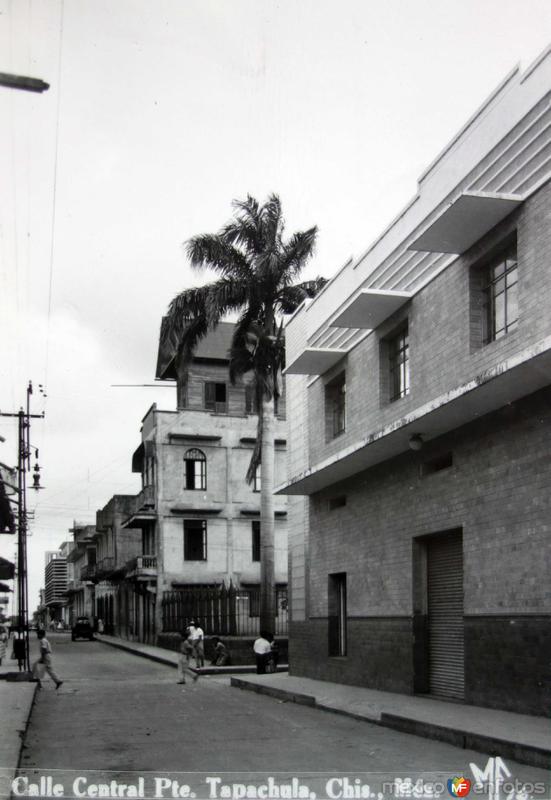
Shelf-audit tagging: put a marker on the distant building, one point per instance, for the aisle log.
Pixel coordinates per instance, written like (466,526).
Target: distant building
(55,584)
(81,572)
(419,408)
(198,517)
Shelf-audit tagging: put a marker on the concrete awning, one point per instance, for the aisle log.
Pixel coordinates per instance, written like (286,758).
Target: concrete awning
(7,569)
(465,221)
(506,382)
(369,308)
(139,520)
(314,361)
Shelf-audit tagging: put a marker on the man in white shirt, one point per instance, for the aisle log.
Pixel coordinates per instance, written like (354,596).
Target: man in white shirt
(44,663)
(262,650)
(196,637)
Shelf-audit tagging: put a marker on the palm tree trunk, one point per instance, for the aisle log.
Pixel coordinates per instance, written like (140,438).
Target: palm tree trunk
(267,574)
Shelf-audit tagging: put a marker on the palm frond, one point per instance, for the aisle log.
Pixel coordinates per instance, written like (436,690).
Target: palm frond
(297,251)
(214,252)
(290,297)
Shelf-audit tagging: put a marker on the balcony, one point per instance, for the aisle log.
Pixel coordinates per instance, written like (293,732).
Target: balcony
(88,572)
(143,510)
(142,567)
(105,567)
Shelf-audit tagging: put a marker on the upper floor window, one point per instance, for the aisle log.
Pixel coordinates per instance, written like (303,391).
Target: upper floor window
(335,406)
(216,397)
(148,473)
(195,540)
(398,363)
(500,291)
(195,470)
(256,540)
(257,480)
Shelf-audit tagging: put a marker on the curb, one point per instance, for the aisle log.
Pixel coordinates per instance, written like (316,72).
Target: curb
(522,753)
(244,669)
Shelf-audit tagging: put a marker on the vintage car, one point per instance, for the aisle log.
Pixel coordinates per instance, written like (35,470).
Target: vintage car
(82,629)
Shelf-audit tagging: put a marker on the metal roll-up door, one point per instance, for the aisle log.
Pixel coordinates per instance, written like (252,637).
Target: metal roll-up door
(445,610)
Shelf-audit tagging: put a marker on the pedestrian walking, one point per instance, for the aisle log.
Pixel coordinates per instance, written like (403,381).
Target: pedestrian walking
(262,651)
(221,653)
(196,637)
(100,626)
(184,667)
(44,663)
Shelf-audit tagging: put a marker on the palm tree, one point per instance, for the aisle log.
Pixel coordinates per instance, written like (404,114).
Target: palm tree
(257,270)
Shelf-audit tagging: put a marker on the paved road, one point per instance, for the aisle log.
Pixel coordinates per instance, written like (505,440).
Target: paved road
(116,711)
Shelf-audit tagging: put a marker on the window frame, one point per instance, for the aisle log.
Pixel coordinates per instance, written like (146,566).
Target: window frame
(212,403)
(335,406)
(199,458)
(491,292)
(192,526)
(398,363)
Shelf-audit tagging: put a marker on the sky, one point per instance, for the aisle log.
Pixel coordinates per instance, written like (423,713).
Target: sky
(158,116)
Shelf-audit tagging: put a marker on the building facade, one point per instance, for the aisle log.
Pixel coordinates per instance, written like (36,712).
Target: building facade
(199,519)
(55,584)
(81,572)
(419,510)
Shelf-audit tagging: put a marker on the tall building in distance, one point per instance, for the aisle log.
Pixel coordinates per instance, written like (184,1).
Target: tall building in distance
(55,583)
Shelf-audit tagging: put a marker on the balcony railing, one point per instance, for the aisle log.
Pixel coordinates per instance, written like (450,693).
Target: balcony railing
(144,566)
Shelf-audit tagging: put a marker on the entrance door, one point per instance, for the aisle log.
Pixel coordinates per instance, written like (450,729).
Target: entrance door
(445,616)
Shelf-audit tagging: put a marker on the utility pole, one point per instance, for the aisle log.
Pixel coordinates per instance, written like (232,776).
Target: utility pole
(24,466)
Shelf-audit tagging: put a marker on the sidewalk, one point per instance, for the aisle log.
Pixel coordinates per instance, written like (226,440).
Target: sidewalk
(170,657)
(16,700)
(520,737)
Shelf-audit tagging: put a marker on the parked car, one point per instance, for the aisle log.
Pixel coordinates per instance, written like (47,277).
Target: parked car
(82,629)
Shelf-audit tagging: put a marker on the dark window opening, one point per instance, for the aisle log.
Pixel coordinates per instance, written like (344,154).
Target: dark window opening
(337,614)
(398,361)
(437,464)
(195,470)
(216,397)
(337,502)
(255,528)
(195,540)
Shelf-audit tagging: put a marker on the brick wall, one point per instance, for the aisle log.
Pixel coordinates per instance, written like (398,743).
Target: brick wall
(497,493)
(440,319)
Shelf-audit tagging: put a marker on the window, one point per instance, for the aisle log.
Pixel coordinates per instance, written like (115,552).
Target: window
(337,502)
(195,540)
(444,461)
(337,614)
(335,407)
(257,480)
(195,470)
(216,397)
(255,527)
(148,472)
(398,362)
(500,314)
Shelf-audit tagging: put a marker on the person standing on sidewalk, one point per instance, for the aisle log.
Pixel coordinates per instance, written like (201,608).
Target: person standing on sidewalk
(44,663)
(186,650)
(197,636)
(262,651)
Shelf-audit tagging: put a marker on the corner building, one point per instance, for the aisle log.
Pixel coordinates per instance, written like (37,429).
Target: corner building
(419,510)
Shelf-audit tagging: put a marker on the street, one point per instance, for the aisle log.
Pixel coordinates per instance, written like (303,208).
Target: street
(119,713)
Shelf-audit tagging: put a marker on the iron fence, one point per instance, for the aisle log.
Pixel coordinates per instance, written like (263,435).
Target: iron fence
(222,610)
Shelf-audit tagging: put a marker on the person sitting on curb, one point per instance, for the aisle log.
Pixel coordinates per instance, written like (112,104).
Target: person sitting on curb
(44,663)
(221,653)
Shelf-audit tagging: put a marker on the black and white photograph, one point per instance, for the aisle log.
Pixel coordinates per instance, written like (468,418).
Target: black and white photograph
(275,399)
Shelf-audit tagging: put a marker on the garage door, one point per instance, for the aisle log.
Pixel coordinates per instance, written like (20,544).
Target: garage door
(445,610)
